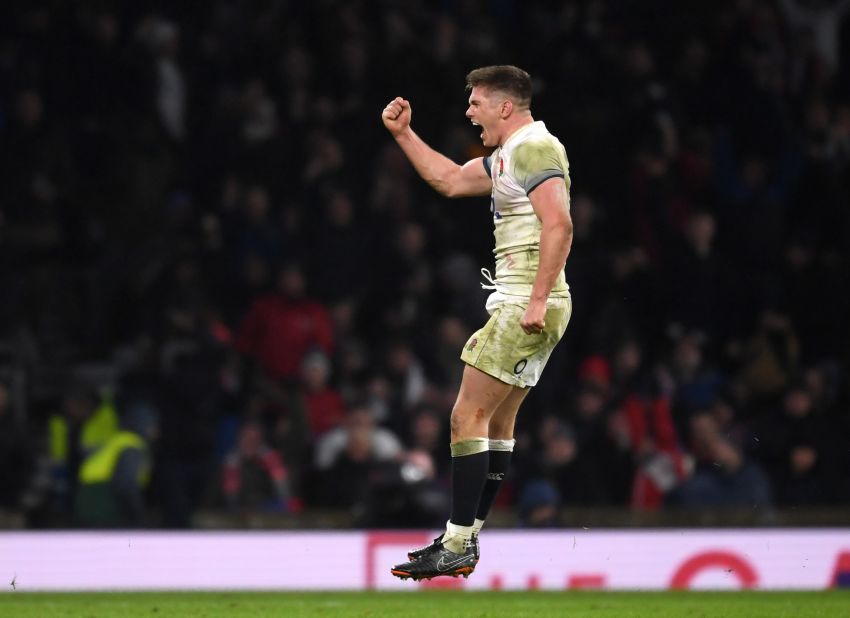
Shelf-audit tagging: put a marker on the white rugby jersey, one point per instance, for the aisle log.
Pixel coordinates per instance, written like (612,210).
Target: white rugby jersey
(528,157)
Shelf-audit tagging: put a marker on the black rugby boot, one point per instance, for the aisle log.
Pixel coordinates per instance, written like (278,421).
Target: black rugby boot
(436,561)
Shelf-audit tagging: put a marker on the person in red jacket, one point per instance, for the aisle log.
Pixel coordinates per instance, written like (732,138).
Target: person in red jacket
(323,403)
(253,474)
(281,328)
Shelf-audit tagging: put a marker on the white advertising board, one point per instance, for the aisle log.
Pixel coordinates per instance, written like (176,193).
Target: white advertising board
(556,560)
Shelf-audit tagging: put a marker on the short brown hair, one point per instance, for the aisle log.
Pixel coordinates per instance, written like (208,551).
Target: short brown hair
(505,78)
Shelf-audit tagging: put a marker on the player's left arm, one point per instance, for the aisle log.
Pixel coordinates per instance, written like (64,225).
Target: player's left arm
(551,202)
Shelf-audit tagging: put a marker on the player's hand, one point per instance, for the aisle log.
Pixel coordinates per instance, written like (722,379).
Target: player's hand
(533,320)
(396,115)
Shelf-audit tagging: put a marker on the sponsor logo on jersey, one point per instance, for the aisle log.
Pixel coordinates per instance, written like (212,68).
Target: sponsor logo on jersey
(471,345)
(520,366)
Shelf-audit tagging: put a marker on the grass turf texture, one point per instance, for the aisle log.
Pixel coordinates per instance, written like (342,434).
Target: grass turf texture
(429,604)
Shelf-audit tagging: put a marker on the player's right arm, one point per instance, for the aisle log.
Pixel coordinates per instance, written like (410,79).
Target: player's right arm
(443,174)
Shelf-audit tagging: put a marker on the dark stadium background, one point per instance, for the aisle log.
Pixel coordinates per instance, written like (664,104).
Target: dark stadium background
(165,166)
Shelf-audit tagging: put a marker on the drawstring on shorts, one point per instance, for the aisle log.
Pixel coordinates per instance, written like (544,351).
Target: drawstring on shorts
(492,283)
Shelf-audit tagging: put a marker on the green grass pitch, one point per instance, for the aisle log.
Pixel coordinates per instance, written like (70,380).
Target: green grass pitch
(429,604)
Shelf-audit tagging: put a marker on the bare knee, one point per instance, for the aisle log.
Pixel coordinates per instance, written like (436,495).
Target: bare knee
(501,429)
(468,422)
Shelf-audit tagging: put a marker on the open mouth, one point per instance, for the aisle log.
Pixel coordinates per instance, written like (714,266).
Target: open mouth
(475,124)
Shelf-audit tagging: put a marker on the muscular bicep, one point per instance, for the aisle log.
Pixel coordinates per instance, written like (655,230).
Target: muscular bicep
(471,179)
(551,202)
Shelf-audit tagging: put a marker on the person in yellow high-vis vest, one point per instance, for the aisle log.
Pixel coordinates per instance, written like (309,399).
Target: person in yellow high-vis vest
(85,422)
(113,478)
(96,426)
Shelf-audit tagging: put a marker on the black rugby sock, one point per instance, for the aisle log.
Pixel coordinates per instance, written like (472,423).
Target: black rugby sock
(469,473)
(499,464)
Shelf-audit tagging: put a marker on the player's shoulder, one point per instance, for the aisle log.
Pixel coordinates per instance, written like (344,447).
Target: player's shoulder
(538,149)
(537,138)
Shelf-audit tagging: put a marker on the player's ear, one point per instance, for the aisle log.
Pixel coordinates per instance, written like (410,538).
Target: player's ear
(506,108)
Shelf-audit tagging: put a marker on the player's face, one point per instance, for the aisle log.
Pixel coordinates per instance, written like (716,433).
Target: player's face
(483,111)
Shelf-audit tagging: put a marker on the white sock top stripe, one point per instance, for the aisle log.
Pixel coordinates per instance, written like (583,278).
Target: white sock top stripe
(502,445)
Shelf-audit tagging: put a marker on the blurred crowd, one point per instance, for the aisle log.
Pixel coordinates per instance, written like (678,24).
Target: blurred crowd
(223,287)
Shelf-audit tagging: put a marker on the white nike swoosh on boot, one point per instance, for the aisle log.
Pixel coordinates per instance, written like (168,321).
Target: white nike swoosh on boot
(443,565)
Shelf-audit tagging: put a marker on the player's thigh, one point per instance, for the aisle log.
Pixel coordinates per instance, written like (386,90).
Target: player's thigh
(479,395)
(504,418)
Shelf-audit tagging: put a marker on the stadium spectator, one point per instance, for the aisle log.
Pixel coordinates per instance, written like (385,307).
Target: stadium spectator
(283,327)
(559,464)
(696,382)
(113,477)
(732,481)
(822,21)
(254,232)
(345,457)
(340,262)
(408,384)
(83,426)
(602,453)
(538,505)
(427,434)
(189,398)
(323,405)
(657,450)
(699,279)
(349,458)
(254,476)
(404,493)
(794,445)
(771,358)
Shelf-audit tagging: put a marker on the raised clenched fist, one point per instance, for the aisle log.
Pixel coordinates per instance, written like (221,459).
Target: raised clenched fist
(396,115)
